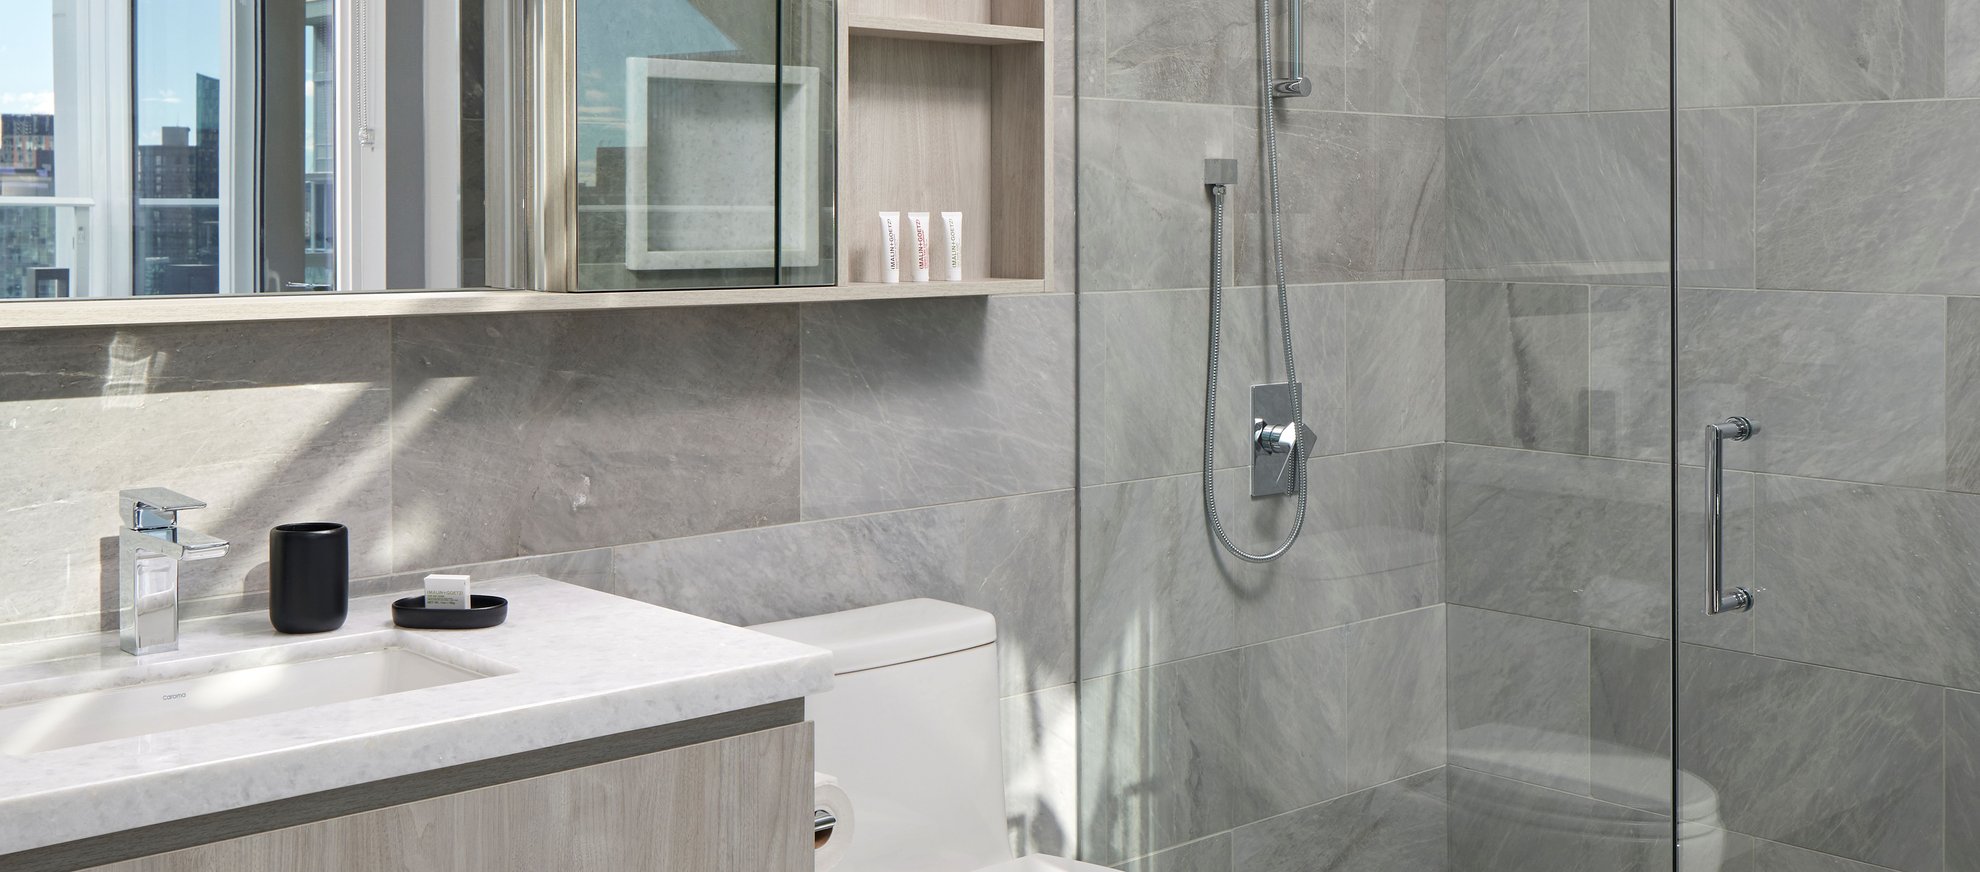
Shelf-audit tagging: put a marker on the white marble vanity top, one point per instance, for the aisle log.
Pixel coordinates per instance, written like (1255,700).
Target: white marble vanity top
(569,664)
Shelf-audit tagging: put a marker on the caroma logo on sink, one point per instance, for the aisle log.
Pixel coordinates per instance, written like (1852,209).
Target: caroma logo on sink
(172,696)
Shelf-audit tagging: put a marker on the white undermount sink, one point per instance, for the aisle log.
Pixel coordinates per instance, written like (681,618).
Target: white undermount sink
(229,694)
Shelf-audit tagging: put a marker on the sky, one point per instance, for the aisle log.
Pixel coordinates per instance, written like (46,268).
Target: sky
(27,83)
(181,39)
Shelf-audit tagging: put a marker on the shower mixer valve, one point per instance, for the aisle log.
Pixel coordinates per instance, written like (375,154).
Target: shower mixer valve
(1278,450)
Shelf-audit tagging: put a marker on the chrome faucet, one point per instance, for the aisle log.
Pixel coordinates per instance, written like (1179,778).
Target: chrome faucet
(149,549)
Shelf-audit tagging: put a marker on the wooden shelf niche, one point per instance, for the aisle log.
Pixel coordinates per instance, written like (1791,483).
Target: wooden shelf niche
(945,106)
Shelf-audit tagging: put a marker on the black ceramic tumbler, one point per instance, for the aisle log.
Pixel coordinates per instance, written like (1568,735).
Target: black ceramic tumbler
(309,577)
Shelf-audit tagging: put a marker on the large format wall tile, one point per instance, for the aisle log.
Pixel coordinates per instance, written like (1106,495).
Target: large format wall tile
(1963,394)
(1041,771)
(1158,755)
(1395,56)
(1517,359)
(1150,590)
(268,423)
(1155,585)
(1143,365)
(1833,761)
(1629,373)
(1519,699)
(1502,825)
(1845,386)
(1580,197)
(1206,51)
(1770,52)
(1715,198)
(1629,54)
(1629,720)
(935,401)
(1875,579)
(1372,545)
(575,431)
(1395,365)
(1397,826)
(1511,57)
(1342,710)
(1871,197)
(1144,215)
(1962,780)
(1556,536)
(1010,557)
(1362,197)
(1962,48)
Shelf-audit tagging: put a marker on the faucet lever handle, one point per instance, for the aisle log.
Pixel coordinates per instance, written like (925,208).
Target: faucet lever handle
(151,508)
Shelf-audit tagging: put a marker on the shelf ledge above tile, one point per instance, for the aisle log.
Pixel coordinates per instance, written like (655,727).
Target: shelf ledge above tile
(931,30)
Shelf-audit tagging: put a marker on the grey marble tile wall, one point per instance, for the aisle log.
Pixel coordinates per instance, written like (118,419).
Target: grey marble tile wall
(810,459)
(1190,737)
(1193,749)
(1850,344)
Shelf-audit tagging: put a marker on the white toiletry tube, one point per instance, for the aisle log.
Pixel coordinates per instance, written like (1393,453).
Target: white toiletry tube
(952,245)
(890,247)
(920,222)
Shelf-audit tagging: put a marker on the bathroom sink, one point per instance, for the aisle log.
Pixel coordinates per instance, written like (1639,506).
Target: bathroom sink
(229,694)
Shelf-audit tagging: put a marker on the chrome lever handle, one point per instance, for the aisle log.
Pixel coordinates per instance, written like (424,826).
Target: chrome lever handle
(1717,600)
(154,508)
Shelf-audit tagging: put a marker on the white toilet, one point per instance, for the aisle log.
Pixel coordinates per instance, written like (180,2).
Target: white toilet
(911,729)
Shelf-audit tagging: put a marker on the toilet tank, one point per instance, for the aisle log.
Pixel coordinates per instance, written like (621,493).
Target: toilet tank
(911,729)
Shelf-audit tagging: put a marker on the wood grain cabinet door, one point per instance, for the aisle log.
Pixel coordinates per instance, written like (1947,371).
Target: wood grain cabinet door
(741,804)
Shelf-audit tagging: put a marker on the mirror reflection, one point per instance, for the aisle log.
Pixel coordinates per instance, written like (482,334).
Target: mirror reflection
(190,147)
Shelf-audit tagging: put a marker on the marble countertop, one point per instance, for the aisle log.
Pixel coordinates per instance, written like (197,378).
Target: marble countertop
(575,664)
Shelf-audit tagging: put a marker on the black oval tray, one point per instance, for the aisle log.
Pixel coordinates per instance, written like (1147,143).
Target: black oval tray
(483,612)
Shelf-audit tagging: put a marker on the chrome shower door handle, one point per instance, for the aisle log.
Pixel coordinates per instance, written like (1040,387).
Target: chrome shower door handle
(1717,600)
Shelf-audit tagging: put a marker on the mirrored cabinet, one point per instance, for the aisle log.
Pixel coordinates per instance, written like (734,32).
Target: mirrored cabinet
(297,149)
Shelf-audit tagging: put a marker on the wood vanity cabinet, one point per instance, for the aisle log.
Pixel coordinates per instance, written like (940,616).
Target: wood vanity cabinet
(740,804)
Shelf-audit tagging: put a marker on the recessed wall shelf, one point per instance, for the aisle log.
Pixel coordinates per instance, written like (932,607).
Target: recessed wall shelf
(965,32)
(944,107)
